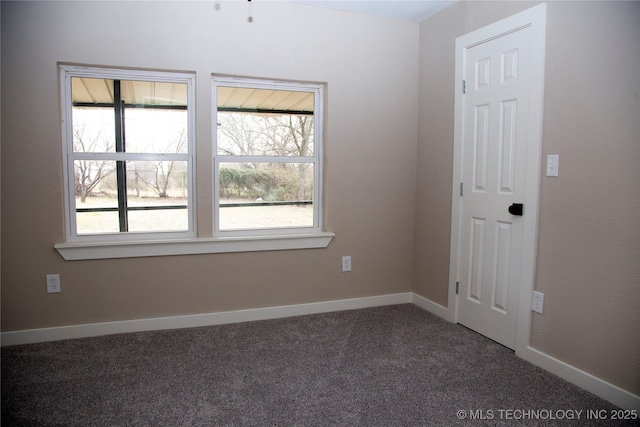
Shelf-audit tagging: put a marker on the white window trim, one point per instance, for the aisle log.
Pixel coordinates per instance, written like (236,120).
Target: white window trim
(318,90)
(72,251)
(69,71)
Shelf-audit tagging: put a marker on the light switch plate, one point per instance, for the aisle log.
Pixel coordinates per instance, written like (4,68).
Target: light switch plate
(553,161)
(537,302)
(346,263)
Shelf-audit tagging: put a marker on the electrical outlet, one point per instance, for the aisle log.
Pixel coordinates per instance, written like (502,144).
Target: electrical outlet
(53,283)
(346,263)
(537,302)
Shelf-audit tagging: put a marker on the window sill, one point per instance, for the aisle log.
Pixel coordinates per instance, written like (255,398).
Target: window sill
(72,251)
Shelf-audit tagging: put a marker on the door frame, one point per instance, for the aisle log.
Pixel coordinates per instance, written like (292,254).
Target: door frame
(535,19)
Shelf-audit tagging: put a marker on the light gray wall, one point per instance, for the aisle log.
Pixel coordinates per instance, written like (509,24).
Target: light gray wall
(588,260)
(370,66)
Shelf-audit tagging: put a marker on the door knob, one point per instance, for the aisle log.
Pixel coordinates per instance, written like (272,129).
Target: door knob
(516,209)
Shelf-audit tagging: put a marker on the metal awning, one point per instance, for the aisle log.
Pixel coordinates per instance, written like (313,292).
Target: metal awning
(100,92)
(95,92)
(264,100)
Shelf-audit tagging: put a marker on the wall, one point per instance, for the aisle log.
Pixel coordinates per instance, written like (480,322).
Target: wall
(371,68)
(589,234)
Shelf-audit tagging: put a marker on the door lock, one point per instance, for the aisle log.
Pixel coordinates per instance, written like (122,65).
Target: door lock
(516,209)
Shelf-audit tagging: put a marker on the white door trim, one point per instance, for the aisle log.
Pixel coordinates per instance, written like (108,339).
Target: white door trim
(535,18)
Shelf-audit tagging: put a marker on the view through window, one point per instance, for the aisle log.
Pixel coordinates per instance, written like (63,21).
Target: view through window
(129,152)
(129,145)
(267,156)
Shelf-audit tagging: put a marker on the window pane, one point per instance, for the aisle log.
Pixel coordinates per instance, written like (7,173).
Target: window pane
(157,196)
(157,180)
(175,218)
(155,115)
(242,134)
(97,222)
(97,213)
(94,179)
(96,197)
(86,91)
(156,131)
(93,118)
(93,130)
(265,122)
(266,195)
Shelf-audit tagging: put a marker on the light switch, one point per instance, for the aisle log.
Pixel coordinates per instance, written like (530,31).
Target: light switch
(553,161)
(537,302)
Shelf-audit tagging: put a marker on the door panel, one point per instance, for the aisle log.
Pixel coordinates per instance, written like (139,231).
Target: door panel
(494,164)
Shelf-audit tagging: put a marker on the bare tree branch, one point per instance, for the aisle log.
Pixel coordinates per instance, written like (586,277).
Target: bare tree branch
(88,174)
(162,170)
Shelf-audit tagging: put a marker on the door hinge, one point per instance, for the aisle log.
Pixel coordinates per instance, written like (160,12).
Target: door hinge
(457,288)
(462,188)
(464,86)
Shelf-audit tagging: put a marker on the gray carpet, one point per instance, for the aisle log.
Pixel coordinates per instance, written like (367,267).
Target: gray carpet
(384,366)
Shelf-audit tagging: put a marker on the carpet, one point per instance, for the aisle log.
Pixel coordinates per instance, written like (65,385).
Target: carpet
(384,366)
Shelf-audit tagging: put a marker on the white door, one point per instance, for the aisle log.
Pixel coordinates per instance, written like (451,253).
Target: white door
(495,120)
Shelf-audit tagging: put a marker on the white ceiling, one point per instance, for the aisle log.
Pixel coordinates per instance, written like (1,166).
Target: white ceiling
(406,10)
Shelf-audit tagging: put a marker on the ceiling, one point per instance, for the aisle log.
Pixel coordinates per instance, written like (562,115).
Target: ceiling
(406,10)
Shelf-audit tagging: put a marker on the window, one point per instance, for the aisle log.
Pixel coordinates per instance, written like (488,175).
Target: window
(129,165)
(267,156)
(128,142)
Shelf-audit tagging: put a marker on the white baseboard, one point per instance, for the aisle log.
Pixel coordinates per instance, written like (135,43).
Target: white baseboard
(430,306)
(208,319)
(582,379)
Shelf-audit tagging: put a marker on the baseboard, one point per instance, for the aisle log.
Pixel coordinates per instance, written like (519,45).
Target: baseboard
(431,307)
(582,379)
(208,319)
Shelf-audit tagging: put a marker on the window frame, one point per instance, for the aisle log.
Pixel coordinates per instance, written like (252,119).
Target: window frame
(150,244)
(66,73)
(316,159)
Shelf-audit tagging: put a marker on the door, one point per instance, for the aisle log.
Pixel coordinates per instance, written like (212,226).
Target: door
(495,121)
